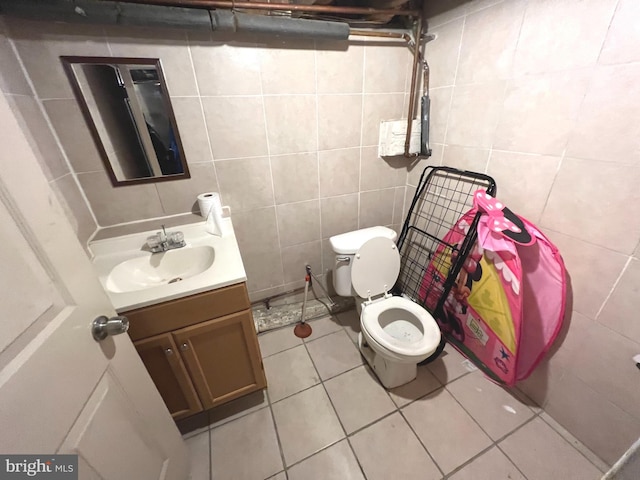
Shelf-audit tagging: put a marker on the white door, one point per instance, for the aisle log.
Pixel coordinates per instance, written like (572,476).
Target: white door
(60,390)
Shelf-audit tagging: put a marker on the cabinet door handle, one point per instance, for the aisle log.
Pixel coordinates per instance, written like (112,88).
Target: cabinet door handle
(184,347)
(168,351)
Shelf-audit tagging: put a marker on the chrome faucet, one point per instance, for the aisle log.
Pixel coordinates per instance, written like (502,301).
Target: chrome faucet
(163,241)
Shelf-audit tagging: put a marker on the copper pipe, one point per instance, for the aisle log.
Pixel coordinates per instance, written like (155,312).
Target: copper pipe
(412,91)
(288,7)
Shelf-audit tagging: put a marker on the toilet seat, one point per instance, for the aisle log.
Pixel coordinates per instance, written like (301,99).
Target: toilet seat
(399,328)
(388,333)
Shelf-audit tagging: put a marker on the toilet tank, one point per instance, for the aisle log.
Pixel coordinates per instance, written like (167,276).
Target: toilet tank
(345,247)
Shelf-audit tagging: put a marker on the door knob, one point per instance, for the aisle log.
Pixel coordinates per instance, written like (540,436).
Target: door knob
(103,326)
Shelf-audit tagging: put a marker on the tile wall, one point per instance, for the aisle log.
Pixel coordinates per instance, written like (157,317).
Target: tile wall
(287,132)
(29,112)
(545,97)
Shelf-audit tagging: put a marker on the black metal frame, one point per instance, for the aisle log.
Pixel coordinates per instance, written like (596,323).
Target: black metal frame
(443,196)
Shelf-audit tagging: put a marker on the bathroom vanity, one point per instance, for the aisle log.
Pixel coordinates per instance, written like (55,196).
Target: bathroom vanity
(189,315)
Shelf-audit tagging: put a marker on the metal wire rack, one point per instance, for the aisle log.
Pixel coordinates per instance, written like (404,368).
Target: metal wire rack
(442,197)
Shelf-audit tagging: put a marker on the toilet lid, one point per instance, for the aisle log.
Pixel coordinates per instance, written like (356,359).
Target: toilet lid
(375,268)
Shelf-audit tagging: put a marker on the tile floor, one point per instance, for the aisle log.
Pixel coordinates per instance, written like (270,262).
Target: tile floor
(325,416)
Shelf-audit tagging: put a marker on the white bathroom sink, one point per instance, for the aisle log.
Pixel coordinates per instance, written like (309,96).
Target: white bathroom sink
(164,268)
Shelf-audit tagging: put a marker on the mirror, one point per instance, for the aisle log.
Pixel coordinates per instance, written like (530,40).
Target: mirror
(126,105)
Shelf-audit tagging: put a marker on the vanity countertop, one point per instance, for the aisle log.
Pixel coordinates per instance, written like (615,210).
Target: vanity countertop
(227,267)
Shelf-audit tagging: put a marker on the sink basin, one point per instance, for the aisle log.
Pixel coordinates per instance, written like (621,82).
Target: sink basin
(158,269)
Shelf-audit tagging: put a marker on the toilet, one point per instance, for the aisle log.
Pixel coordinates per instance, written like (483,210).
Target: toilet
(396,333)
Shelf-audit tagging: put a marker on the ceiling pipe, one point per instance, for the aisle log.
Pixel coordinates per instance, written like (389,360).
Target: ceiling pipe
(412,91)
(285,7)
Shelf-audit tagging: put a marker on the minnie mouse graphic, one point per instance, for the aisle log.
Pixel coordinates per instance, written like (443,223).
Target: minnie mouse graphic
(456,302)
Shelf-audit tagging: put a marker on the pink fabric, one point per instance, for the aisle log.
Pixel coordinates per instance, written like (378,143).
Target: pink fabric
(520,286)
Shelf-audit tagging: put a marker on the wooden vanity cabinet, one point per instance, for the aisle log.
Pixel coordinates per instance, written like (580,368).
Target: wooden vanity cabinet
(166,368)
(200,351)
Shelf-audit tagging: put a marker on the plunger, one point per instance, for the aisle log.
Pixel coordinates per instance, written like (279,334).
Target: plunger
(303,329)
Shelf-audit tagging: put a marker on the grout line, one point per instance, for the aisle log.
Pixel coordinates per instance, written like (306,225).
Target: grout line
(615,284)
(606,35)
(562,435)
(275,427)
(204,117)
(210,445)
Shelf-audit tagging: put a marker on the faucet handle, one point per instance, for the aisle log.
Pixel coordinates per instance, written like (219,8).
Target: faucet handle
(153,241)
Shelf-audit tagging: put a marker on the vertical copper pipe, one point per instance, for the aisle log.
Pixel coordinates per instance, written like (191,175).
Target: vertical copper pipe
(412,91)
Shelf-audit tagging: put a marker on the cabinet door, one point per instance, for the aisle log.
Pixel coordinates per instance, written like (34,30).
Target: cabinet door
(223,357)
(162,359)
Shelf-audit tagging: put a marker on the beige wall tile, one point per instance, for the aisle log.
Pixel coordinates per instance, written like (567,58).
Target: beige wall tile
(601,135)
(339,121)
(179,196)
(298,222)
(257,236)
(439,113)
(74,135)
(168,44)
(226,69)
(339,171)
(620,310)
(495,28)
(395,58)
(75,207)
(377,172)
(245,184)
(33,123)
(465,158)
(539,112)
(339,214)
(192,129)
(118,205)
(43,64)
(376,208)
(12,80)
(623,35)
(236,126)
(415,169)
(288,67)
(295,177)
(295,258)
(291,123)
(398,205)
(558,35)
(586,262)
(469,104)
(602,426)
(376,108)
(442,53)
(524,181)
(583,204)
(339,67)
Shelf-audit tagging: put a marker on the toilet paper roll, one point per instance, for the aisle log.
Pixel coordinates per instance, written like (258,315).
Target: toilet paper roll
(211,209)
(207,202)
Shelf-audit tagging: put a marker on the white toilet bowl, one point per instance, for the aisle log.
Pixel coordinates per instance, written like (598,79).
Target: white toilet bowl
(396,333)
